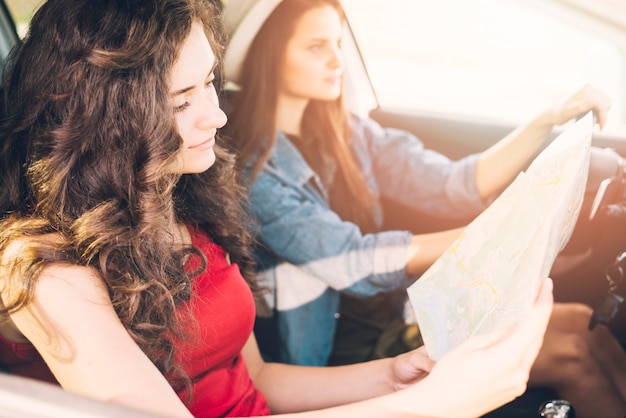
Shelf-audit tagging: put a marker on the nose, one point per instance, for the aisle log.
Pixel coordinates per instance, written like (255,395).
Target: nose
(336,57)
(211,116)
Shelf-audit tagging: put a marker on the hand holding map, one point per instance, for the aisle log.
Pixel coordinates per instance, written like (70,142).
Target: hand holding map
(490,275)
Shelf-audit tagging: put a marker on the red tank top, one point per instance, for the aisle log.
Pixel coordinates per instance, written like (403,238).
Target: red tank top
(223,307)
(224,310)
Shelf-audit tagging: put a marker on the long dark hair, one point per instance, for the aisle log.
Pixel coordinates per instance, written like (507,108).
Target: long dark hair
(252,118)
(85,143)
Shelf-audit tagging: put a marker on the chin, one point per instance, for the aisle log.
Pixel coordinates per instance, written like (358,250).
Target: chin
(200,166)
(328,96)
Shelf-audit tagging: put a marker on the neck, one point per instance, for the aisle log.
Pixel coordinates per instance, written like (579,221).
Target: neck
(289,113)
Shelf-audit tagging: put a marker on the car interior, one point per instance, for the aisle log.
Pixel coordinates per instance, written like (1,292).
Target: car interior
(581,273)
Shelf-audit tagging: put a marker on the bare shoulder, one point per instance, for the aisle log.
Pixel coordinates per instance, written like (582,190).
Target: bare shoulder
(60,272)
(57,286)
(18,247)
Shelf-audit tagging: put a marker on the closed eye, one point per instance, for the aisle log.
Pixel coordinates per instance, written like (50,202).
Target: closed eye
(182,107)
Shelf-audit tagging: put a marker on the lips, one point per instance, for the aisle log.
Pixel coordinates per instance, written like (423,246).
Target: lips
(209,143)
(334,80)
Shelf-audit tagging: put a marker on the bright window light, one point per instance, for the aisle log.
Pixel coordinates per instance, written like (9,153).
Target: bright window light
(497,59)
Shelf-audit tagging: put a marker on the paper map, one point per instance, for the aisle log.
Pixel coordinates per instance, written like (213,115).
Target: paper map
(490,275)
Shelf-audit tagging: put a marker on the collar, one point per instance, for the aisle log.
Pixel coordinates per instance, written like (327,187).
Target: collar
(285,157)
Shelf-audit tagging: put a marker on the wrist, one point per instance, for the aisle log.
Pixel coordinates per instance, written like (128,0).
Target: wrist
(545,121)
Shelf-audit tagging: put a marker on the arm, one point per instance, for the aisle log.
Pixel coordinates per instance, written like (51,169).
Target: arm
(296,226)
(399,167)
(402,169)
(476,377)
(74,327)
(91,353)
(290,388)
(425,249)
(498,166)
(501,163)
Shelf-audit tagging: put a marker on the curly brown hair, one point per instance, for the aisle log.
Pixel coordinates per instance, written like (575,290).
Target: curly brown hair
(86,137)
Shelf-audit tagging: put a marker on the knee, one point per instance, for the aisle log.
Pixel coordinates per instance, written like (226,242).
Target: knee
(566,360)
(575,348)
(571,316)
(571,310)
(580,310)
(572,356)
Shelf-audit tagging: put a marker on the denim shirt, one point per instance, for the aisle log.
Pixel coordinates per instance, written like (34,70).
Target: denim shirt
(307,254)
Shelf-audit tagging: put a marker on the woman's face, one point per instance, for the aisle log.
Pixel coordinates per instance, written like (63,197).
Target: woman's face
(313,62)
(195,103)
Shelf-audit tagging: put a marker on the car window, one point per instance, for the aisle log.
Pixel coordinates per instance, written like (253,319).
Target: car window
(21,12)
(498,59)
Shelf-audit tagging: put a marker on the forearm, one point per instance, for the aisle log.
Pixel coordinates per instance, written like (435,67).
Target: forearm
(460,385)
(423,400)
(426,248)
(495,169)
(291,388)
(501,163)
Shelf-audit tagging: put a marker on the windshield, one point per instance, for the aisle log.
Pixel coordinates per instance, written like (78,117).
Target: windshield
(498,59)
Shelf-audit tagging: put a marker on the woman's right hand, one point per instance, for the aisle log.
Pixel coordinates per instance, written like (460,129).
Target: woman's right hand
(581,102)
(489,370)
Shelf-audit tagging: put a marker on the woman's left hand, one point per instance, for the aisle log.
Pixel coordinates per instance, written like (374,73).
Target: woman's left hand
(411,367)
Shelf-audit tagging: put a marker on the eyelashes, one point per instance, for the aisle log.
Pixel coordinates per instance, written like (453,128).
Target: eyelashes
(182,107)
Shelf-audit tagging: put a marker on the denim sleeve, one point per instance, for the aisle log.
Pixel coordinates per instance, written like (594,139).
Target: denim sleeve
(417,177)
(297,226)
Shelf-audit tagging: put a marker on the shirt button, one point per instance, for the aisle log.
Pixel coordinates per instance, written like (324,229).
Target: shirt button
(337,315)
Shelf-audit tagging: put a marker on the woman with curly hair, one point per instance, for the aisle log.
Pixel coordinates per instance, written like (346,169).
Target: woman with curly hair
(123,246)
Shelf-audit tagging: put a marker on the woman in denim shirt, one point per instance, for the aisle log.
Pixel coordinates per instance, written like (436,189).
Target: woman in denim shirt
(316,175)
